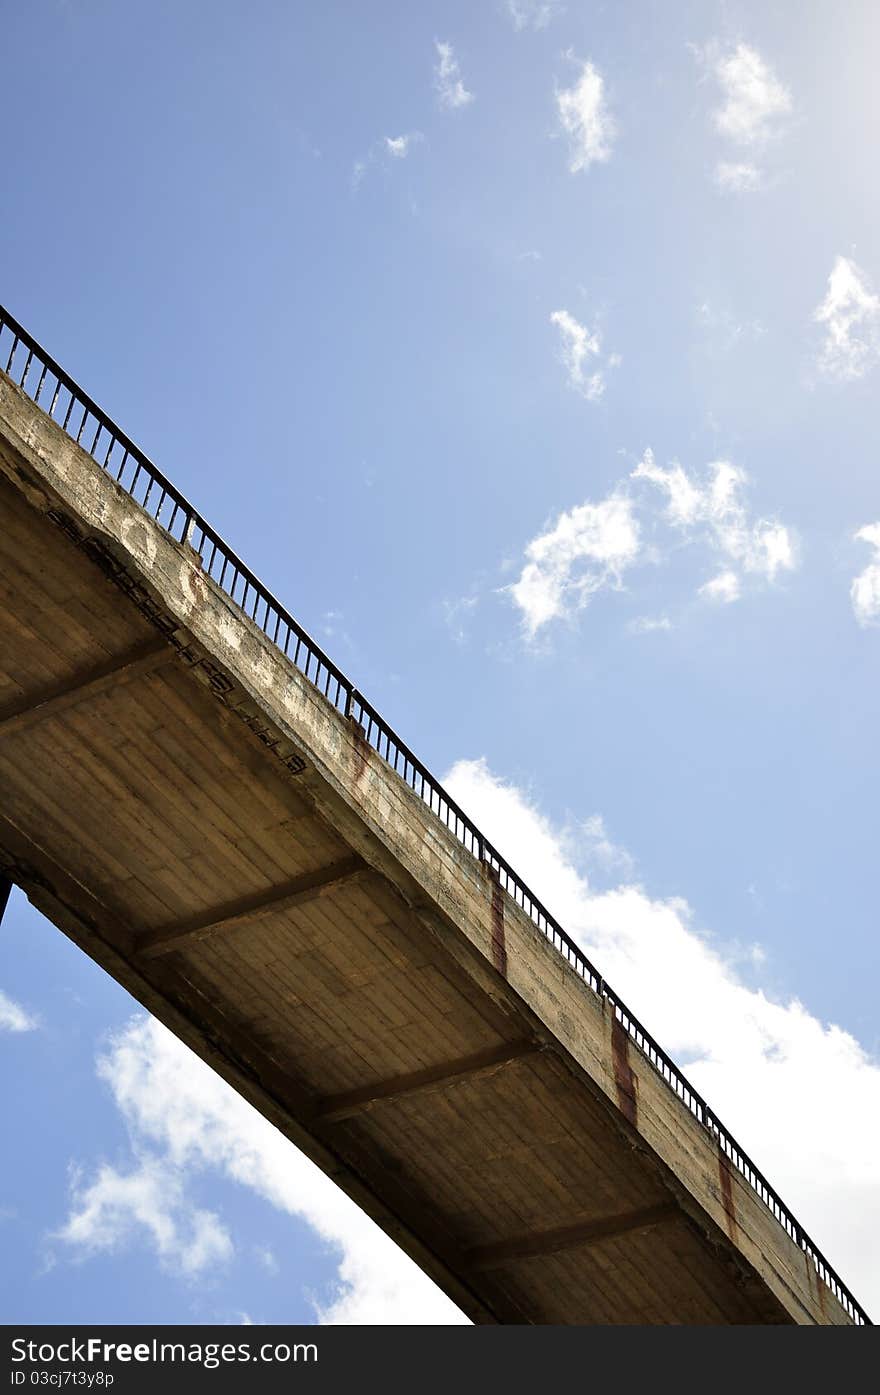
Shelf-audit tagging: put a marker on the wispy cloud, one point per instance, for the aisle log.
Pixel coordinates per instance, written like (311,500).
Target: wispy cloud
(725,331)
(587,549)
(582,355)
(802,1096)
(586,120)
(456,615)
(531,14)
(591,547)
(753,112)
(649,624)
(149,1200)
(763,547)
(754,99)
(738,177)
(186,1122)
(13,1017)
(447,78)
(385,152)
(850,313)
(725,587)
(266,1258)
(398,146)
(865,590)
(590,841)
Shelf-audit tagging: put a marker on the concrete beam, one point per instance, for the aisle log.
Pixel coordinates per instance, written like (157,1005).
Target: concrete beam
(100,678)
(335,1108)
(249,908)
(550,1242)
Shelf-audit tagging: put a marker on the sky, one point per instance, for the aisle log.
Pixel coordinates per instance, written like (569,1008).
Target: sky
(529,352)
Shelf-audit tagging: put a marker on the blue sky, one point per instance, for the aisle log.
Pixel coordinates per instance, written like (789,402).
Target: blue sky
(529,352)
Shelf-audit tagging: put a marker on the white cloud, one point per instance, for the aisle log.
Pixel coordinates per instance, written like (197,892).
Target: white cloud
(591,842)
(531,14)
(13,1017)
(582,351)
(587,549)
(385,152)
(752,114)
(865,590)
(724,587)
(685,499)
(447,78)
(763,547)
(586,121)
(398,146)
(850,313)
(648,624)
(755,101)
(738,177)
(802,1097)
(590,547)
(149,1198)
(185,1121)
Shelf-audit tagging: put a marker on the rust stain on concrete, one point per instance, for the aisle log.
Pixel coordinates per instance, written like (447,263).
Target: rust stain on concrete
(362,750)
(725,1178)
(499,946)
(815,1281)
(625,1079)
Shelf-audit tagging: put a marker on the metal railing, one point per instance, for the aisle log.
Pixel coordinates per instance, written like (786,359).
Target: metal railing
(47,384)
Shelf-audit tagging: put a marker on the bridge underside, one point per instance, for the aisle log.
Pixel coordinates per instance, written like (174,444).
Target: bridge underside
(205,860)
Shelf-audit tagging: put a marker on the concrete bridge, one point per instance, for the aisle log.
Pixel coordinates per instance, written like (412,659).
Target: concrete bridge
(200,800)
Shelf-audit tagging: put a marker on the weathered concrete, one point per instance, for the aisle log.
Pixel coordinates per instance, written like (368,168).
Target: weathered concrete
(262,881)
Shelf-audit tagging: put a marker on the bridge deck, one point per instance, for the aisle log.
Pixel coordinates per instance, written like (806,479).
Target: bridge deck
(184,804)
